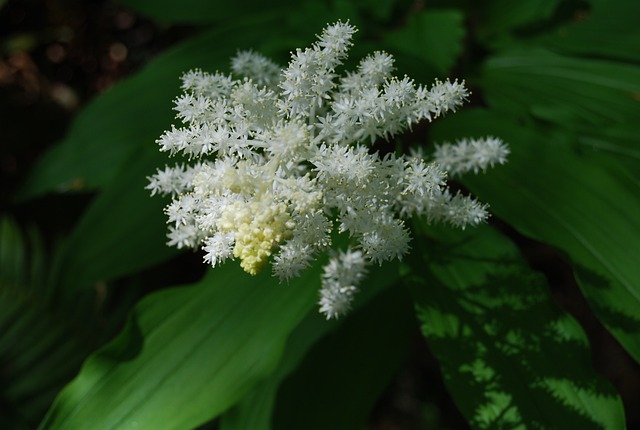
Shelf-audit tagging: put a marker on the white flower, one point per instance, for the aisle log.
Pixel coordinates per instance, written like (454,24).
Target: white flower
(255,67)
(283,160)
(173,180)
(292,259)
(471,154)
(200,83)
(340,282)
(218,248)
(387,240)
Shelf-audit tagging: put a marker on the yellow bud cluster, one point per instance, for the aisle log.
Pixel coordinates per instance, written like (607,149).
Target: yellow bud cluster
(258,228)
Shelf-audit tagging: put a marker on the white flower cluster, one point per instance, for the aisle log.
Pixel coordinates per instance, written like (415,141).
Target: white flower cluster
(471,154)
(283,161)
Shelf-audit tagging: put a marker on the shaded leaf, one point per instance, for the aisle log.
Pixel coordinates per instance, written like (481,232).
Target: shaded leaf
(122,231)
(255,410)
(500,16)
(618,142)
(343,375)
(509,356)
(608,29)
(43,338)
(432,37)
(582,205)
(187,354)
(562,89)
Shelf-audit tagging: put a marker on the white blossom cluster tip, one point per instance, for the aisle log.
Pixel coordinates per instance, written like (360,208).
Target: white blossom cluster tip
(282,162)
(471,154)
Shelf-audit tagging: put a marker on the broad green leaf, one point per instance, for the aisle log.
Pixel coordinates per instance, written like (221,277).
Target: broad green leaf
(255,410)
(135,112)
(586,208)
(509,356)
(343,375)
(187,354)
(608,29)
(619,142)
(562,89)
(123,230)
(432,37)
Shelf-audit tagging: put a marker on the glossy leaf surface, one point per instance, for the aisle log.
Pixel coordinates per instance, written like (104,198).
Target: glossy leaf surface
(187,354)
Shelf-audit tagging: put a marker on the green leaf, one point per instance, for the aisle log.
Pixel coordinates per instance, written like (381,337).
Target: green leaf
(499,16)
(509,356)
(618,142)
(44,337)
(255,410)
(431,37)
(135,112)
(343,375)
(187,354)
(586,208)
(562,89)
(609,29)
(123,230)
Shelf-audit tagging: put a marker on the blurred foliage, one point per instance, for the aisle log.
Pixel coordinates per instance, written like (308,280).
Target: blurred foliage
(558,80)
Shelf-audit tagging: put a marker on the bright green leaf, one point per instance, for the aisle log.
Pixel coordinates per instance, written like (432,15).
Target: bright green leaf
(586,208)
(509,356)
(187,354)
